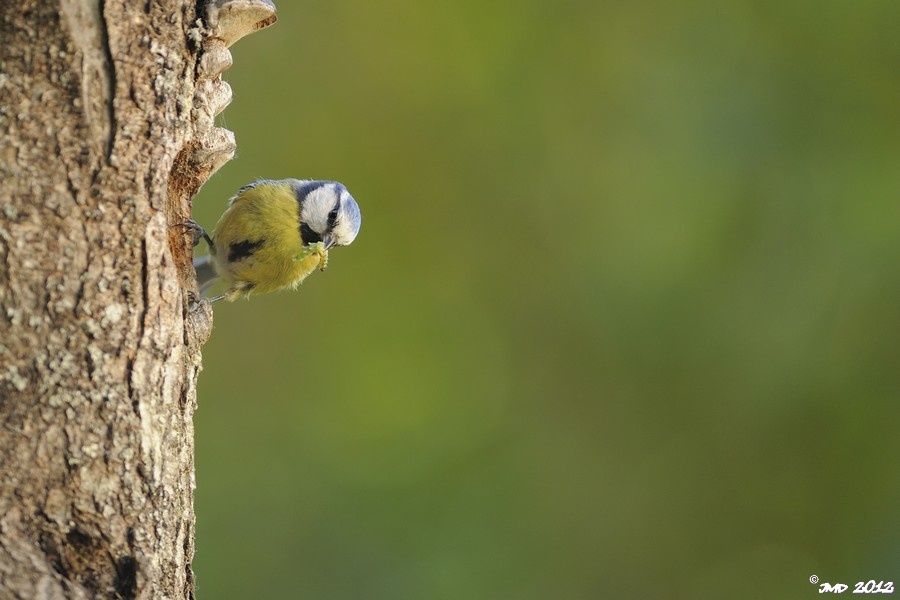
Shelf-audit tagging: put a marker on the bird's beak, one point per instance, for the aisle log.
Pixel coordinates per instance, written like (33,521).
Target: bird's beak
(328,240)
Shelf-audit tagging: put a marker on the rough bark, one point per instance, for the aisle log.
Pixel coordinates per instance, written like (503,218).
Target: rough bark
(105,134)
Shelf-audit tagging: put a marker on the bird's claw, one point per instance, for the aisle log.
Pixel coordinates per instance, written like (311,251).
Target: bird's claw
(197,232)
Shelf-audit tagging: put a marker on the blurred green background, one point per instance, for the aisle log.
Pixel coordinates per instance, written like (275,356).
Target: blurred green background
(621,322)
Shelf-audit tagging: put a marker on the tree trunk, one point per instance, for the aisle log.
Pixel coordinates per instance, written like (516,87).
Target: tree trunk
(106,112)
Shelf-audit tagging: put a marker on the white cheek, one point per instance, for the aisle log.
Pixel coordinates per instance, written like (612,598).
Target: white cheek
(315,211)
(344,233)
(318,224)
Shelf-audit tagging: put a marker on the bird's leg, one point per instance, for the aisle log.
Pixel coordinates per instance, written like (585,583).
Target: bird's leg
(197,232)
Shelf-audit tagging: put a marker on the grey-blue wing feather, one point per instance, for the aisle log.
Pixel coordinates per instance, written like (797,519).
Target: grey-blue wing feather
(206,273)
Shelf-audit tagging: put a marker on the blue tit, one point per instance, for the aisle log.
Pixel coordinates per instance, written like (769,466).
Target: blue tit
(274,234)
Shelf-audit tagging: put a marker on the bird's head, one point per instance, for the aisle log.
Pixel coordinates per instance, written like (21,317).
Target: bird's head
(328,213)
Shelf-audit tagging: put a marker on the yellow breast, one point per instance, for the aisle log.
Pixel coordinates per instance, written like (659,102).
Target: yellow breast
(258,247)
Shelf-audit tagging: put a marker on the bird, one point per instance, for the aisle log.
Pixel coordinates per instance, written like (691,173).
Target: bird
(273,234)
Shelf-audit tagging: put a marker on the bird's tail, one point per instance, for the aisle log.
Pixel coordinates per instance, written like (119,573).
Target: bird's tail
(206,273)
